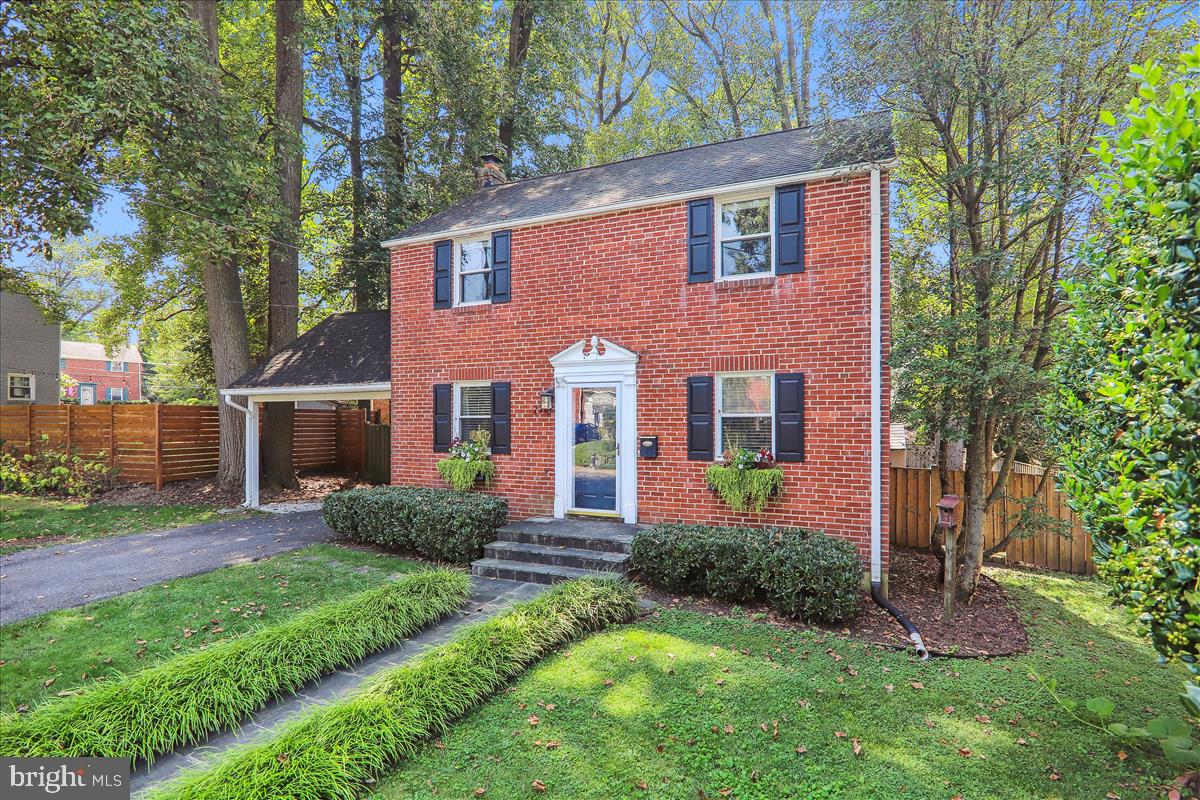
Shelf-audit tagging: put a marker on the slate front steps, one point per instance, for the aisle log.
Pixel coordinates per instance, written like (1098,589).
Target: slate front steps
(545,550)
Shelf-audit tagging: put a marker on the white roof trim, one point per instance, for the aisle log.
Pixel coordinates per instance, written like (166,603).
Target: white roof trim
(338,391)
(588,351)
(762,183)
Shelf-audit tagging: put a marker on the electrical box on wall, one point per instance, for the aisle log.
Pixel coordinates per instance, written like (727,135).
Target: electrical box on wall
(648,446)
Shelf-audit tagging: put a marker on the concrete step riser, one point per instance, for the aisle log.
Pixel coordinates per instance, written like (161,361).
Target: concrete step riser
(558,540)
(513,574)
(557,559)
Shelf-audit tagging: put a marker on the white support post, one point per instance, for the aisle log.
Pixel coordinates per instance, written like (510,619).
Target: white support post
(876,378)
(251,454)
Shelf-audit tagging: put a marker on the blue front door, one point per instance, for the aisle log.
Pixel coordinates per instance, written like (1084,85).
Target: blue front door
(594,455)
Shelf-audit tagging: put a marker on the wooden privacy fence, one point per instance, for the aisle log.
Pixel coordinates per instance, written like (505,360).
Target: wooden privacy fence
(162,443)
(914,497)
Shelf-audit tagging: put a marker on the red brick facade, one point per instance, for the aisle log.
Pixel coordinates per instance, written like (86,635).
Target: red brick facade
(91,371)
(623,276)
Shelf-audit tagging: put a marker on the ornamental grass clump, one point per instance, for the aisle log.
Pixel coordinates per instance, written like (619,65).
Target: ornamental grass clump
(746,480)
(337,751)
(468,462)
(184,699)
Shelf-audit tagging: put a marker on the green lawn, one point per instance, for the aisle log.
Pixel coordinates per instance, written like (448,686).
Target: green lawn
(52,652)
(33,521)
(692,706)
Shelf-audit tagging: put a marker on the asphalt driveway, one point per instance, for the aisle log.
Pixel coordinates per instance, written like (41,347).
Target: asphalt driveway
(48,578)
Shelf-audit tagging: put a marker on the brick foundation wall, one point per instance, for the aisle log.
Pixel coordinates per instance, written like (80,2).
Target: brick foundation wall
(89,371)
(623,277)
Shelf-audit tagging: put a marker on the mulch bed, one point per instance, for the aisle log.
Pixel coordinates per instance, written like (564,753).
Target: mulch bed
(988,626)
(205,492)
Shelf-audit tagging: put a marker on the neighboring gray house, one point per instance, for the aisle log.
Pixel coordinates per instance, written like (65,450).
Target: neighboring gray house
(28,353)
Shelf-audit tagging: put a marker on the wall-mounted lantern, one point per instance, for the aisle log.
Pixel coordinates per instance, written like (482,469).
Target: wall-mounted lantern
(547,400)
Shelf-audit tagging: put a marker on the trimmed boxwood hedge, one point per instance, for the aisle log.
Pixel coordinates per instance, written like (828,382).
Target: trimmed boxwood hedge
(183,699)
(438,524)
(339,750)
(800,573)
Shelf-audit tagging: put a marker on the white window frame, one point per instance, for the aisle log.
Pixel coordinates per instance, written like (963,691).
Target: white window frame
(719,390)
(124,398)
(718,240)
(458,274)
(8,387)
(118,366)
(456,408)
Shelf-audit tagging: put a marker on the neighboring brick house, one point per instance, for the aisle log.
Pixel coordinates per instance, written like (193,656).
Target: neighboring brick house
(731,292)
(28,343)
(100,378)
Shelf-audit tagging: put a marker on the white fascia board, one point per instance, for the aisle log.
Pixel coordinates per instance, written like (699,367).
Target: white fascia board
(644,202)
(345,391)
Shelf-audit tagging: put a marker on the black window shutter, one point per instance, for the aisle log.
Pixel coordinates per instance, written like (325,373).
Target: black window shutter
(441,417)
(700,418)
(700,241)
(502,418)
(442,254)
(789,416)
(789,229)
(501,260)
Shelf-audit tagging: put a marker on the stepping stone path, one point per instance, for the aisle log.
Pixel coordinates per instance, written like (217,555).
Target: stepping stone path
(488,598)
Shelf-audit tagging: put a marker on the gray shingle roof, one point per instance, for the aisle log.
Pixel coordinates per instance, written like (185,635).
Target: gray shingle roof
(857,140)
(342,349)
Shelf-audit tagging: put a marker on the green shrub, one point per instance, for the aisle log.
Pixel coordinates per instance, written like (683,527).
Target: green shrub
(438,524)
(1129,360)
(816,578)
(800,573)
(54,471)
(184,699)
(337,751)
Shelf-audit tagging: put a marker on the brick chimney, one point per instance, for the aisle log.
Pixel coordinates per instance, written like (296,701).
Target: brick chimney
(489,172)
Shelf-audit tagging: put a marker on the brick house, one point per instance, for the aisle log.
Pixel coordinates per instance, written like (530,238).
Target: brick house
(617,327)
(100,378)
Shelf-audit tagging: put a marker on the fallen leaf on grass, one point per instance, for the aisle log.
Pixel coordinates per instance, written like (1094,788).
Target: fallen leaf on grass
(965,752)
(608,681)
(801,750)
(840,734)
(538,786)
(916,684)
(857,745)
(534,720)
(729,729)
(282,758)
(642,785)
(48,682)
(480,791)
(552,745)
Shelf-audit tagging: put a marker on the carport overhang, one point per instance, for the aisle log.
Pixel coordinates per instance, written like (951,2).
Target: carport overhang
(248,399)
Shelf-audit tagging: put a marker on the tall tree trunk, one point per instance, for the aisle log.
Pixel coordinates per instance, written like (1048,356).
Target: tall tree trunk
(397,19)
(781,92)
(808,24)
(358,202)
(793,79)
(223,299)
(283,272)
(520,30)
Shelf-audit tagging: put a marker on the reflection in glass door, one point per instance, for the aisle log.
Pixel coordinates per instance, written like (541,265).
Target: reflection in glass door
(594,465)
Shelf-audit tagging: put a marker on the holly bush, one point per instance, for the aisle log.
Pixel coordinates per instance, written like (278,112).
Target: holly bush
(1129,363)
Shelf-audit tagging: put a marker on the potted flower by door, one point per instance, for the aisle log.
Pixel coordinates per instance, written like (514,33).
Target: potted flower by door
(468,462)
(746,479)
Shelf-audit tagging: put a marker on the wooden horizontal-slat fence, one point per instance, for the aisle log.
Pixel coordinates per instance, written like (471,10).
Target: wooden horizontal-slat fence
(914,497)
(161,443)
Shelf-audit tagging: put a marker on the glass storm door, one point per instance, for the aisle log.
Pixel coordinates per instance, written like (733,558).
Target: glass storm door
(594,453)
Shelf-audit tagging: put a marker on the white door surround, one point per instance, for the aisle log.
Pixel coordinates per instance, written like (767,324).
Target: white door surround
(596,362)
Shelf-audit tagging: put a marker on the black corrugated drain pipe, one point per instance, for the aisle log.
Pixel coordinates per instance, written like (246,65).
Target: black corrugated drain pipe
(913,633)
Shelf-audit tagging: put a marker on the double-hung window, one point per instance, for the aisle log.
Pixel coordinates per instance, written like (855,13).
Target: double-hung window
(745,227)
(474,280)
(118,394)
(19,386)
(472,408)
(117,366)
(745,411)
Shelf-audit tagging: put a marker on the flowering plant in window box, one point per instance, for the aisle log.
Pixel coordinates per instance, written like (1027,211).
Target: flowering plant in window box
(468,462)
(746,479)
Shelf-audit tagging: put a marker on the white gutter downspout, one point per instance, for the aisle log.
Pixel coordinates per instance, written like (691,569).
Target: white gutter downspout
(251,442)
(876,378)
